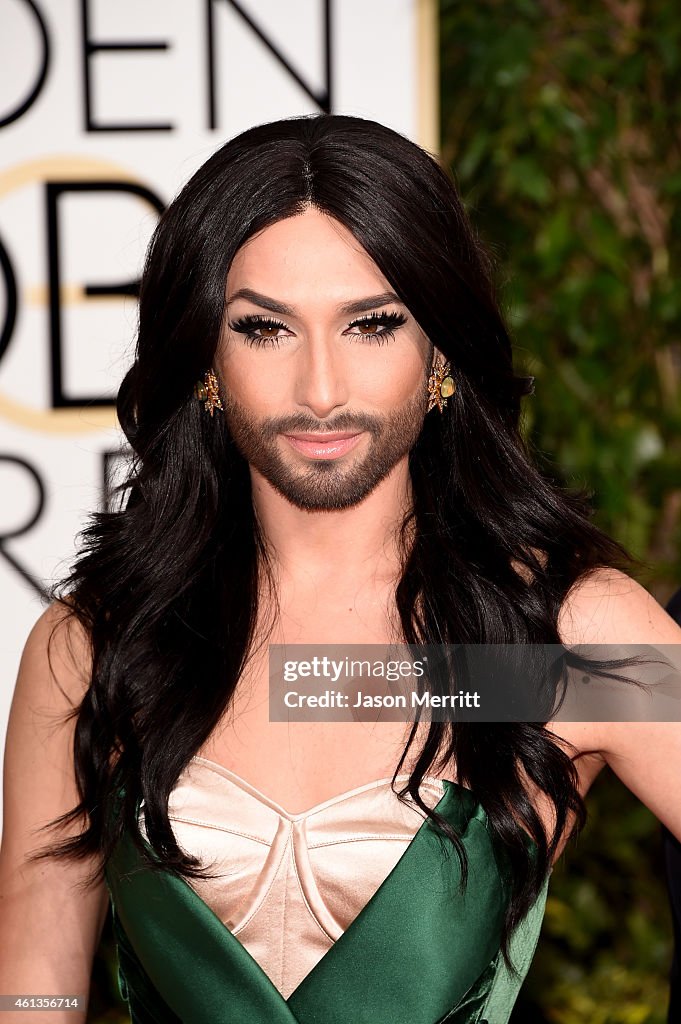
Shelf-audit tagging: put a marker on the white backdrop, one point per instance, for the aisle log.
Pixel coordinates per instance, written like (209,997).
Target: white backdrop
(105,110)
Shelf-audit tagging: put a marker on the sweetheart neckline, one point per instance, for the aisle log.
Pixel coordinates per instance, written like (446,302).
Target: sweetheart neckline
(446,784)
(454,808)
(248,787)
(228,936)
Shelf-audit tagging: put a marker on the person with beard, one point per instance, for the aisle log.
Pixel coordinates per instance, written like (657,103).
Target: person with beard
(324,417)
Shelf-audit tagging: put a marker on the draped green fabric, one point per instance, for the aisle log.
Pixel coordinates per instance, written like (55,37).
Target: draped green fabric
(420,952)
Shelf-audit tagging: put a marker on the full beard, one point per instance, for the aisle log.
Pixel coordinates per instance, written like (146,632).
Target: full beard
(325,485)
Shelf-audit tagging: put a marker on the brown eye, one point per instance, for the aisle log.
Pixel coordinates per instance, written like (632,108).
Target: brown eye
(267,328)
(380,327)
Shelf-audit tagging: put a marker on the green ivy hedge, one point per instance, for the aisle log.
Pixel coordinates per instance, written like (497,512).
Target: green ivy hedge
(560,121)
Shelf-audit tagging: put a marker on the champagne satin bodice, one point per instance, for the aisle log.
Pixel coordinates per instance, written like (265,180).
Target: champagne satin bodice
(352,912)
(289,885)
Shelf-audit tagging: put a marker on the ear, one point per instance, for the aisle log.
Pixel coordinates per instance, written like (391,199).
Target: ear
(438,356)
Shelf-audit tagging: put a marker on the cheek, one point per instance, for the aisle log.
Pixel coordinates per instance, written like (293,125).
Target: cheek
(259,382)
(245,378)
(397,378)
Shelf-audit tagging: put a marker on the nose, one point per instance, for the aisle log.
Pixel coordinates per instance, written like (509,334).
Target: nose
(321,379)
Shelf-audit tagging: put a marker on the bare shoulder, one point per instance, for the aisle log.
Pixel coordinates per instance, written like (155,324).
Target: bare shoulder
(57,646)
(607,606)
(52,680)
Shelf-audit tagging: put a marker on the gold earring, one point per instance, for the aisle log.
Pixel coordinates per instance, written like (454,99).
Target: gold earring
(206,391)
(440,386)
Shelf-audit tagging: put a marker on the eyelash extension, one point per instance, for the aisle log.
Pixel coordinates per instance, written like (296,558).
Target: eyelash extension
(390,321)
(253,321)
(247,325)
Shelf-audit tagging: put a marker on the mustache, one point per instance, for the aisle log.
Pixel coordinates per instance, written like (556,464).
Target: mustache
(304,425)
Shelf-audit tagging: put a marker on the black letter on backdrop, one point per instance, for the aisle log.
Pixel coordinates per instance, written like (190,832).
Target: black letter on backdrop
(90,48)
(54,190)
(322,99)
(4,537)
(10,300)
(42,74)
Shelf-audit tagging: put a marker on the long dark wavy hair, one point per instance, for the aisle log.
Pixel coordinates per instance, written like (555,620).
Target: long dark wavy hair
(165,585)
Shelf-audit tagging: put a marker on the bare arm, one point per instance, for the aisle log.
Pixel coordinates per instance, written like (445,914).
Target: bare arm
(612,608)
(49,929)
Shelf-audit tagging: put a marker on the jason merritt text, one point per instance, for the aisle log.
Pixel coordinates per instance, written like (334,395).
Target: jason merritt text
(338,699)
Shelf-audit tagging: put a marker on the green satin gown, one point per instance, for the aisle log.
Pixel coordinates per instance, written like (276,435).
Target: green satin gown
(419,952)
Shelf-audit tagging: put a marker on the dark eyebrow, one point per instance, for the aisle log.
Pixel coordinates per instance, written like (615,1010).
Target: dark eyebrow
(346,308)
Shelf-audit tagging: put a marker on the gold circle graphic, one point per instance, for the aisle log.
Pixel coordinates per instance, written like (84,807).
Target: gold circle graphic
(78,420)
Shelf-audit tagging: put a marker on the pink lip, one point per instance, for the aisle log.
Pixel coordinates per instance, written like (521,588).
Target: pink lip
(323,446)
